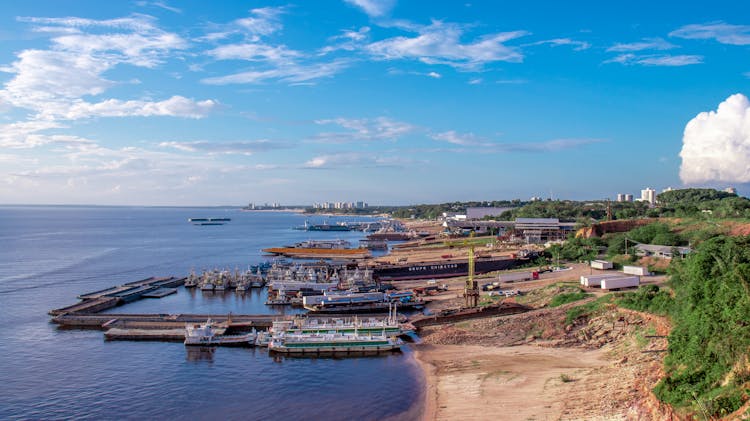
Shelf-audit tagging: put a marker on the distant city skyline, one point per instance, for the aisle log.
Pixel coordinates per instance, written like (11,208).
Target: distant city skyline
(194,103)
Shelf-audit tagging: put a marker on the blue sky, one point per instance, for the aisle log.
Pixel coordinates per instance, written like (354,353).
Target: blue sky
(391,102)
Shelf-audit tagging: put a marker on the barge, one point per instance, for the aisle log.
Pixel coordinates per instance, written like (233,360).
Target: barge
(443,269)
(332,343)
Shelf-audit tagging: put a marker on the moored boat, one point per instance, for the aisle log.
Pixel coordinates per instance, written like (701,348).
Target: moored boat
(206,334)
(332,343)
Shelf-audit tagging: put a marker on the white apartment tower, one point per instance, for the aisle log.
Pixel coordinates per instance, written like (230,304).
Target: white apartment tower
(648,195)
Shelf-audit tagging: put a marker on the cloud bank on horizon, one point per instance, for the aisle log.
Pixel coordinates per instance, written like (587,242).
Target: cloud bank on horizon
(716,144)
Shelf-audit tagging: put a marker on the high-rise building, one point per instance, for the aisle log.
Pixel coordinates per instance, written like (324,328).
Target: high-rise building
(620,197)
(628,197)
(648,195)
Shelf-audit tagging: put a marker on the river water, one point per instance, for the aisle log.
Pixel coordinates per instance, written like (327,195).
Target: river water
(49,255)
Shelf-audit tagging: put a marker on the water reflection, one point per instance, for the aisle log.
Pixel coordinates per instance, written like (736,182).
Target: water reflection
(200,353)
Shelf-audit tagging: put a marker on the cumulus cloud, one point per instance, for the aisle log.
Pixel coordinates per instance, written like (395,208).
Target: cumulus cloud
(720,31)
(374,8)
(363,129)
(716,144)
(440,43)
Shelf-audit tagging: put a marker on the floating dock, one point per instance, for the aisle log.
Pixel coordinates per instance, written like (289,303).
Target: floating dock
(97,301)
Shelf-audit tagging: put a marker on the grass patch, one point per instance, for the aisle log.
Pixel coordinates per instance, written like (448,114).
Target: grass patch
(566,298)
(587,309)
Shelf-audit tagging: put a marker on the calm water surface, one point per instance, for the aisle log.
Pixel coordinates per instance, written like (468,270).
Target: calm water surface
(49,255)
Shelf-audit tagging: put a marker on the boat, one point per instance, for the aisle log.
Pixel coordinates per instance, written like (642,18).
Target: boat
(332,343)
(352,302)
(207,286)
(318,253)
(209,221)
(368,325)
(206,334)
(443,269)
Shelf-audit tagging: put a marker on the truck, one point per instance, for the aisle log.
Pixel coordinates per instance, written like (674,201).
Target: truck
(635,270)
(621,282)
(517,276)
(601,264)
(596,280)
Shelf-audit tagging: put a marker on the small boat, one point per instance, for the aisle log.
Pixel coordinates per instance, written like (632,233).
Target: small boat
(206,335)
(207,287)
(209,221)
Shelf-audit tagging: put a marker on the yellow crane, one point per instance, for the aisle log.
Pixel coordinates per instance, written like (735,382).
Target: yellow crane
(471,290)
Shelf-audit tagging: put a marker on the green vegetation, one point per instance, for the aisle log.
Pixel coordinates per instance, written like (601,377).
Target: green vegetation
(561,299)
(709,345)
(588,309)
(576,249)
(648,298)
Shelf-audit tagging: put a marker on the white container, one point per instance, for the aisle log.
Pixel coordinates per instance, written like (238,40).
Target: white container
(596,280)
(635,270)
(601,264)
(621,282)
(515,276)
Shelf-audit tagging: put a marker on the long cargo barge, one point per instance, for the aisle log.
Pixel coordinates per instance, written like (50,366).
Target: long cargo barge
(314,252)
(443,269)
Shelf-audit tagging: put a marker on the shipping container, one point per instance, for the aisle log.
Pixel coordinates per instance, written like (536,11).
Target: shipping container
(635,270)
(601,264)
(621,282)
(596,280)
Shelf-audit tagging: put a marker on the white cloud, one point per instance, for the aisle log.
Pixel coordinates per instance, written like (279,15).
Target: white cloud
(262,21)
(440,43)
(269,62)
(244,147)
(159,4)
(356,159)
(656,59)
(719,31)
(381,128)
(485,145)
(577,45)
(291,73)
(463,139)
(254,52)
(716,144)
(29,134)
(374,8)
(54,82)
(645,44)
(434,75)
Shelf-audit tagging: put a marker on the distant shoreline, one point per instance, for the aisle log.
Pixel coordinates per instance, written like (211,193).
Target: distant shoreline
(292,210)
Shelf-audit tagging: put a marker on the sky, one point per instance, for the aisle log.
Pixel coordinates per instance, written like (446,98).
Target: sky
(166,102)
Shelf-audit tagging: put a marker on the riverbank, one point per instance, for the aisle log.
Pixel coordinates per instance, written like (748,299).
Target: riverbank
(521,382)
(529,366)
